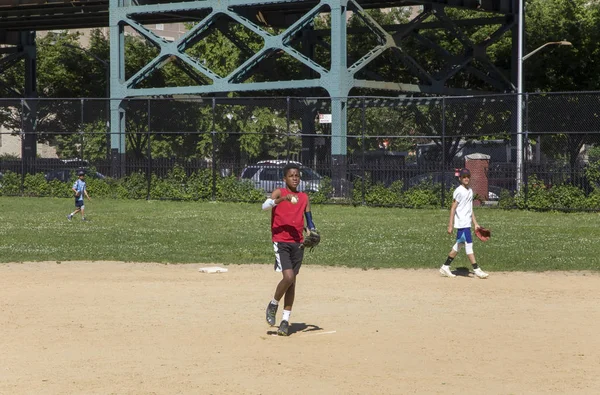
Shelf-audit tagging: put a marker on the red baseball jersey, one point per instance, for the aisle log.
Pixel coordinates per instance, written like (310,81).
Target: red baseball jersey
(287,219)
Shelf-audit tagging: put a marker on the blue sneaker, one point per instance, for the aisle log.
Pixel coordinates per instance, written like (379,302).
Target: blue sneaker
(69,217)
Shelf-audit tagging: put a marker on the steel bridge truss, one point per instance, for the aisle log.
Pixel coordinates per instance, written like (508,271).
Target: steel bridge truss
(337,80)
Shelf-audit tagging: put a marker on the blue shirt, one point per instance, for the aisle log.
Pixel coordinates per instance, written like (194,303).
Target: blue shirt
(79,186)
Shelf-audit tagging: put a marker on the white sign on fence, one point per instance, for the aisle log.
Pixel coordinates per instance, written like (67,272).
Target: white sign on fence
(324,118)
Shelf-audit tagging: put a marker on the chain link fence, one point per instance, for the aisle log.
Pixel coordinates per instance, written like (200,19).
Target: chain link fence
(394,149)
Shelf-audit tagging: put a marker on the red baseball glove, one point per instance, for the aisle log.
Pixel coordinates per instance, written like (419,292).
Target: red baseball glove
(483,234)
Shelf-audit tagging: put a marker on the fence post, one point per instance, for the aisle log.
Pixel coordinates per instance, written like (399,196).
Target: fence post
(443,151)
(81,132)
(525,178)
(214,152)
(22,150)
(149,157)
(287,145)
(363,127)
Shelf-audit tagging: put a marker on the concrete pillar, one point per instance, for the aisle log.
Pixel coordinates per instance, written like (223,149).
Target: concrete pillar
(478,164)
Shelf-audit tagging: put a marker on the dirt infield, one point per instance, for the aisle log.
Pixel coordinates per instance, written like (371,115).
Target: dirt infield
(103,328)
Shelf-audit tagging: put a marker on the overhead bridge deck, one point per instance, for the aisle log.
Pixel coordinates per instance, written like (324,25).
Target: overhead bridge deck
(21,15)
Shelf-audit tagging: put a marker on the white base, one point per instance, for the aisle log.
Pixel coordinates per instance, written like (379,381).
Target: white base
(212,269)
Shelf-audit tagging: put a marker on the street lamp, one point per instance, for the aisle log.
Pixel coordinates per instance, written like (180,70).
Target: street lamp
(563,42)
(106,66)
(521,59)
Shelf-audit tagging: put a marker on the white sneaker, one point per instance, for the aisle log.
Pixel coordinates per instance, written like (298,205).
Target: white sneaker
(445,271)
(480,273)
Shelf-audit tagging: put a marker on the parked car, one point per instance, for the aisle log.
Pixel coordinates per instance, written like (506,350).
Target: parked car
(65,174)
(268,176)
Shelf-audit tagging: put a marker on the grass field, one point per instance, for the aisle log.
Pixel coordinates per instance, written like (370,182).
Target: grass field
(36,229)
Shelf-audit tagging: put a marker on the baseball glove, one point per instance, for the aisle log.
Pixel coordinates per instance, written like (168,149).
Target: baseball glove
(311,238)
(483,234)
(77,194)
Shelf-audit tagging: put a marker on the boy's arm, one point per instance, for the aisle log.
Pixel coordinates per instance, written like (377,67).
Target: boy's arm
(475,221)
(451,220)
(275,199)
(86,194)
(309,221)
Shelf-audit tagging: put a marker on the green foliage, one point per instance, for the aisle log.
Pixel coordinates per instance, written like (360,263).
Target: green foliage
(134,186)
(200,184)
(175,186)
(566,197)
(426,194)
(539,197)
(592,170)
(11,184)
(325,192)
(506,199)
(231,189)
(532,196)
(593,200)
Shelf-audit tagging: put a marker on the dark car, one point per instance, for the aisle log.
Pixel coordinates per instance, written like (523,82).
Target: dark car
(268,176)
(67,174)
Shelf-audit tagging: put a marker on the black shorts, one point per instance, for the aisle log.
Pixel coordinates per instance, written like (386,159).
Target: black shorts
(288,256)
(78,203)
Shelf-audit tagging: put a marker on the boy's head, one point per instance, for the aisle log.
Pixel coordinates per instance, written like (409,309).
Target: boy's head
(81,174)
(464,176)
(291,175)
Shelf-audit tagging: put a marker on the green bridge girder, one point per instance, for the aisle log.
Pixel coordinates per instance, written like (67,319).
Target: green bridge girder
(338,80)
(292,16)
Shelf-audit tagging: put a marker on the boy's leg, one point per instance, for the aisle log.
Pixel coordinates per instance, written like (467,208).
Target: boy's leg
(476,269)
(73,213)
(445,269)
(287,282)
(283,263)
(297,254)
(282,289)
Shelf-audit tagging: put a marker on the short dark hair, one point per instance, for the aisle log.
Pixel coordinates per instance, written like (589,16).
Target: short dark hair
(289,167)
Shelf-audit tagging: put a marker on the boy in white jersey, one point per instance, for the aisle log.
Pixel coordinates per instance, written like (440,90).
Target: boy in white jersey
(461,216)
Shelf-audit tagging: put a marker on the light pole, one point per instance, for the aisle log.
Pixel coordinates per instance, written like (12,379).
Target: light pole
(521,59)
(106,66)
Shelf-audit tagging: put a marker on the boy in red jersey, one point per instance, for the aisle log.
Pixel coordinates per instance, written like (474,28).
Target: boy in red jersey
(289,207)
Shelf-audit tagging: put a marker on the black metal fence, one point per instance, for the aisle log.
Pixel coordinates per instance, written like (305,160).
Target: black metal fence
(398,143)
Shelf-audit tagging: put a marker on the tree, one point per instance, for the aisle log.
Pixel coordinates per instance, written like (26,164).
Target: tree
(563,69)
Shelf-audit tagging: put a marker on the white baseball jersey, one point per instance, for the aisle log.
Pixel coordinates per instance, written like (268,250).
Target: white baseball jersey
(464,210)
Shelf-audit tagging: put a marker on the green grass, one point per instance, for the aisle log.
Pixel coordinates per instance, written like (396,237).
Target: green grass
(35,229)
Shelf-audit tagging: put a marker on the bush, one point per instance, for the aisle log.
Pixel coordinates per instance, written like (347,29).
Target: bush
(134,186)
(10,184)
(200,185)
(506,199)
(232,189)
(325,192)
(539,197)
(533,196)
(426,194)
(566,196)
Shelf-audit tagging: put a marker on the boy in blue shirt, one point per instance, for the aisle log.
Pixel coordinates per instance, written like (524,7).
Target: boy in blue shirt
(79,190)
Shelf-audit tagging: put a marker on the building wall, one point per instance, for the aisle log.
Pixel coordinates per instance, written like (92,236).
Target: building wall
(11,145)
